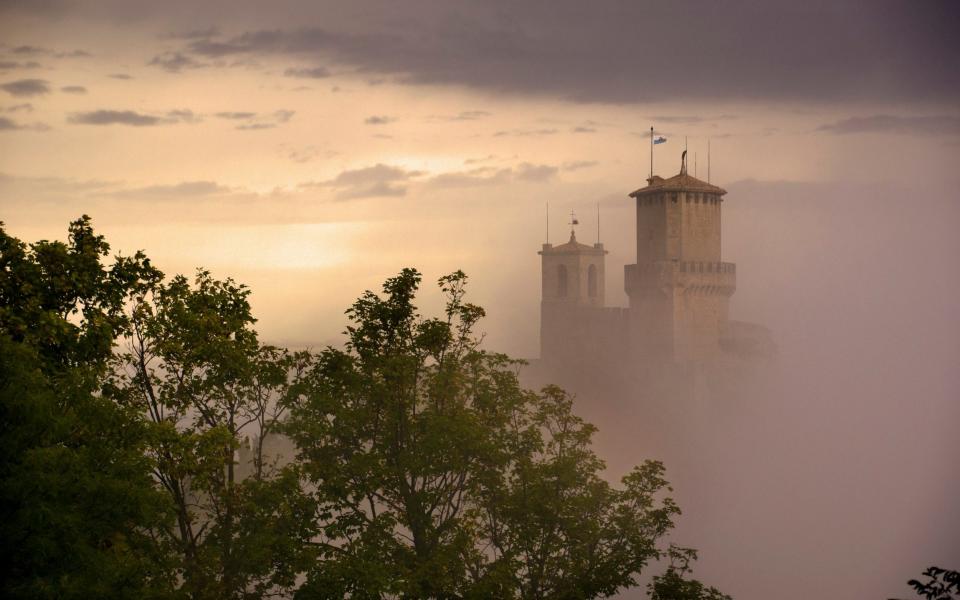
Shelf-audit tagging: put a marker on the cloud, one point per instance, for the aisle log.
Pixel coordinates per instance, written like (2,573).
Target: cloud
(193,34)
(184,115)
(583,129)
(132,118)
(174,62)
(29,50)
(576,165)
(73,89)
(122,76)
(73,54)
(472,178)
(26,87)
(467,115)
(924,125)
(308,73)
(525,132)
(255,126)
(8,124)
(305,154)
(556,48)
(535,173)
(481,176)
(40,51)
(689,119)
(379,180)
(7,65)
(235,115)
(253,121)
(182,189)
(378,120)
(114,117)
(25,107)
(50,188)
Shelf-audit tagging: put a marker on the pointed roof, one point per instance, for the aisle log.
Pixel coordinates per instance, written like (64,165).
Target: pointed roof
(681,182)
(573,247)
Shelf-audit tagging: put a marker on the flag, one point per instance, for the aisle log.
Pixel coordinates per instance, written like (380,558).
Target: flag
(660,140)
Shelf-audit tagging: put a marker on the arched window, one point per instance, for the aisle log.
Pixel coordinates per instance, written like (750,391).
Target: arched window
(562,281)
(592,281)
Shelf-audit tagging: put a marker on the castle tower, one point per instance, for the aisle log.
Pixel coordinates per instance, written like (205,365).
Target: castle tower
(573,280)
(679,288)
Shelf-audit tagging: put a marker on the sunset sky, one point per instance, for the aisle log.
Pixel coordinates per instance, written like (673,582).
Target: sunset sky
(312,149)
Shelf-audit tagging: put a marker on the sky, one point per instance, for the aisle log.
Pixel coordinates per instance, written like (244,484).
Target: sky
(312,149)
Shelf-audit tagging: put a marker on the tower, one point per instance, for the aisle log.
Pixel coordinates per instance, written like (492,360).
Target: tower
(573,280)
(679,288)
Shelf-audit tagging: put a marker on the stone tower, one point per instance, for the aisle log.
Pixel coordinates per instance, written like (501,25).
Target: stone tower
(679,288)
(573,280)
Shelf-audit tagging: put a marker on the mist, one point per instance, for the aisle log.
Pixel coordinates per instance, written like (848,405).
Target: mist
(829,471)
(314,150)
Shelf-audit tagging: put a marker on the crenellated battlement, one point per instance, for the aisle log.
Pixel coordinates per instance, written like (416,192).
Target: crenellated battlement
(698,277)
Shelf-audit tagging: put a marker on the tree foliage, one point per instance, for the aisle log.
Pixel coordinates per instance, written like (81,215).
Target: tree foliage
(75,487)
(196,368)
(941,584)
(136,417)
(437,475)
(673,584)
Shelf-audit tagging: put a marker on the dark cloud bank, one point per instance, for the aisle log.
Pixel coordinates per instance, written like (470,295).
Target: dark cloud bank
(626,51)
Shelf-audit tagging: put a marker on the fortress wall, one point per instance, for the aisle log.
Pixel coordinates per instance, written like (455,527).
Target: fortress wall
(651,233)
(577,337)
(700,226)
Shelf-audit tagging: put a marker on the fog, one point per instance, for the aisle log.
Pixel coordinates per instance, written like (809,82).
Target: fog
(831,471)
(311,151)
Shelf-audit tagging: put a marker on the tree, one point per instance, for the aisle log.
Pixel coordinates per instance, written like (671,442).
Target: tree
(673,585)
(435,474)
(941,584)
(195,367)
(555,527)
(75,487)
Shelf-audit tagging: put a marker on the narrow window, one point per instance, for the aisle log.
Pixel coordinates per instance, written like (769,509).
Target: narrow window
(592,281)
(562,281)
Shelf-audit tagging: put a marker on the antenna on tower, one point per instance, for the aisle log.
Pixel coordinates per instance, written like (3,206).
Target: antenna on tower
(708,160)
(598,222)
(548,223)
(694,164)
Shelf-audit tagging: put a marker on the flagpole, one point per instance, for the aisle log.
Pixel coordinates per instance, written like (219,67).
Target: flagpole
(708,160)
(651,152)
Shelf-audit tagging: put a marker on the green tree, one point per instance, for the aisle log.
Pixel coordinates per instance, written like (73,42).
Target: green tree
(75,486)
(209,388)
(673,584)
(437,475)
(552,526)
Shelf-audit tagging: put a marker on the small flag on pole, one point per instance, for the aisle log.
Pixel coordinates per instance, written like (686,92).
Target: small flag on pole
(660,140)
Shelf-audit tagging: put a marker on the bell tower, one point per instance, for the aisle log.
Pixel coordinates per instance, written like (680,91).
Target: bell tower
(573,279)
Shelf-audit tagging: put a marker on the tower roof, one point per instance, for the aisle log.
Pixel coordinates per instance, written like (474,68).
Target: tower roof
(681,182)
(573,247)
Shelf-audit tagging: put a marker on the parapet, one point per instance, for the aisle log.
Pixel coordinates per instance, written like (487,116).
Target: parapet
(694,276)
